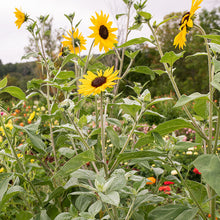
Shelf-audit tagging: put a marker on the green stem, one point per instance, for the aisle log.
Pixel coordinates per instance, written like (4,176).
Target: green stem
(82,138)
(211,90)
(123,52)
(199,130)
(87,60)
(127,141)
(96,113)
(211,149)
(102,119)
(216,133)
(129,211)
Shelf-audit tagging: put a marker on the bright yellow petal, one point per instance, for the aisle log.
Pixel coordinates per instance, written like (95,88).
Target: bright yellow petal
(180,39)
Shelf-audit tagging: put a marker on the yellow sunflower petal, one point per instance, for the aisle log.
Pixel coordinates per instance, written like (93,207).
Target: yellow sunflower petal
(180,39)
(21,18)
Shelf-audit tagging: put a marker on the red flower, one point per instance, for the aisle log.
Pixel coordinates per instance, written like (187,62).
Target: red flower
(164,188)
(168,183)
(196,171)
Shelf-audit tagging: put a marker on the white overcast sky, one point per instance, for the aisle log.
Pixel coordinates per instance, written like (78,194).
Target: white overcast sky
(14,40)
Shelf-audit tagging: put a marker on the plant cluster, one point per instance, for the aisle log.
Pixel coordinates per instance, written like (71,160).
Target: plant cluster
(86,152)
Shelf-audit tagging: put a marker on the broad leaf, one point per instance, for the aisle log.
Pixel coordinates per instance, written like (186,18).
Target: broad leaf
(3,82)
(95,208)
(134,41)
(186,99)
(143,69)
(146,15)
(4,180)
(75,163)
(171,57)
(112,198)
(172,125)
(208,165)
(216,81)
(198,190)
(112,134)
(213,38)
(179,212)
(158,100)
(67,59)
(65,75)
(139,154)
(14,91)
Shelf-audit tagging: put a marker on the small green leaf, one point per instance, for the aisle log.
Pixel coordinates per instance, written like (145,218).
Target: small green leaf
(171,57)
(201,108)
(131,54)
(213,38)
(75,163)
(158,100)
(14,91)
(119,15)
(134,41)
(4,180)
(67,152)
(67,59)
(64,216)
(12,191)
(65,75)
(146,15)
(143,69)
(149,112)
(95,208)
(216,65)
(139,154)
(23,215)
(82,121)
(215,47)
(216,81)
(112,198)
(185,99)
(197,54)
(159,72)
(3,82)
(131,109)
(166,20)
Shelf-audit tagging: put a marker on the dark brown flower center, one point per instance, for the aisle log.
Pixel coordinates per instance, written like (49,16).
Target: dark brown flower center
(76,42)
(185,17)
(103,32)
(98,81)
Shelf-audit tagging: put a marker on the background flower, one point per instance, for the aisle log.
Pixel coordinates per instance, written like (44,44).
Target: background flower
(76,38)
(102,32)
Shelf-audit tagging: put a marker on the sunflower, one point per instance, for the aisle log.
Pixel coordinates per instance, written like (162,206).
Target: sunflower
(95,84)
(74,38)
(102,32)
(186,24)
(21,17)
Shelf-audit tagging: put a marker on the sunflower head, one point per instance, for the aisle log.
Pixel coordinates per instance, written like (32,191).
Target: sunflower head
(21,17)
(103,32)
(74,41)
(186,24)
(93,84)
